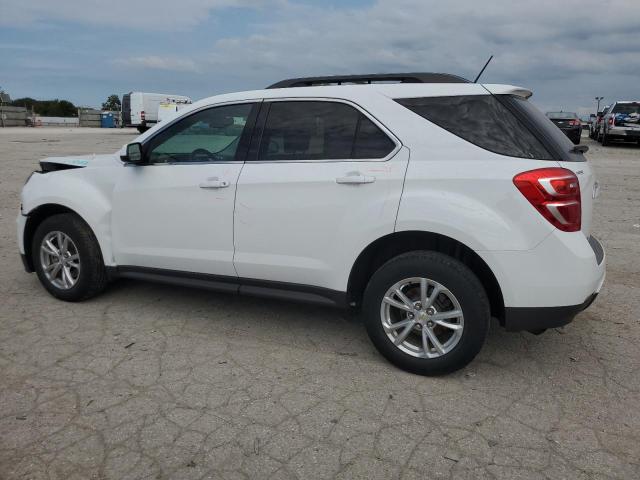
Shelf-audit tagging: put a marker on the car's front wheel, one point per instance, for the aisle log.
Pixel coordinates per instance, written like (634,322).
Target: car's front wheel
(426,312)
(67,258)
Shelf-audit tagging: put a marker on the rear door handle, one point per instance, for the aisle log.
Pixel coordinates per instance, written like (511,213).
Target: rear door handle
(214,182)
(355,178)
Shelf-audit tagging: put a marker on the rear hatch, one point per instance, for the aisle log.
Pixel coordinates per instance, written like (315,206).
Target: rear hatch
(567,157)
(563,120)
(563,151)
(627,115)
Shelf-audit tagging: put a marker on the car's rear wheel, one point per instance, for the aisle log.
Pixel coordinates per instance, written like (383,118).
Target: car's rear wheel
(605,140)
(426,312)
(67,258)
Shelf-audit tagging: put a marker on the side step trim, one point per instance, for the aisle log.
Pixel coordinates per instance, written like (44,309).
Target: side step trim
(234,285)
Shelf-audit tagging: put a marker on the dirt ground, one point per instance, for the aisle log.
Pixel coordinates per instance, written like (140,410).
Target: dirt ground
(150,381)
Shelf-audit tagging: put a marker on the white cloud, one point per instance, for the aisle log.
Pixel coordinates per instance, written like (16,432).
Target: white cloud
(155,62)
(566,51)
(144,15)
(569,50)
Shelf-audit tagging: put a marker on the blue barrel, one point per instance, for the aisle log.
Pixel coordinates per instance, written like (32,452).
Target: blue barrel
(107,120)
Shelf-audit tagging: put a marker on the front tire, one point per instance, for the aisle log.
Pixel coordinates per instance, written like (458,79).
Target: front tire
(426,312)
(67,258)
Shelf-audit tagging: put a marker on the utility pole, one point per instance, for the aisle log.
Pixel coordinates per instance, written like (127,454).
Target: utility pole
(598,100)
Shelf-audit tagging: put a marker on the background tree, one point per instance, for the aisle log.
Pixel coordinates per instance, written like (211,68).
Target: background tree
(48,108)
(112,104)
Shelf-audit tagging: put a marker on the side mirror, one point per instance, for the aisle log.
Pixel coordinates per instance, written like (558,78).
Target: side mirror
(134,154)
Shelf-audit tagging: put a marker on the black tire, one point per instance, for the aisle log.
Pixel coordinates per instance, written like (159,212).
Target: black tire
(576,140)
(459,280)
(141,129)
(92,278)
(605,140)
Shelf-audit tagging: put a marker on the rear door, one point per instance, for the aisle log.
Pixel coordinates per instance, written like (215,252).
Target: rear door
(323,179)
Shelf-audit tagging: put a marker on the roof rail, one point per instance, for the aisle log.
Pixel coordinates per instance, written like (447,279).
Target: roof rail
(418,77)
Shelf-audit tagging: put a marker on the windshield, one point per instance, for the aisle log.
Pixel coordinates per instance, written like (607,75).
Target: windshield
(561,115)
(627,108)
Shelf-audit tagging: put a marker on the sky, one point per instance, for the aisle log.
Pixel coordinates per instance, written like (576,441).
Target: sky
(566,51)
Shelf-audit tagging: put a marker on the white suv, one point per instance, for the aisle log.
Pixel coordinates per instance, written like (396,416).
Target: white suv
(430,204)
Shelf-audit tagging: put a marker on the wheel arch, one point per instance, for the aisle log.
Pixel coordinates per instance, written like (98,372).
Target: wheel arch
(35,217)
(384,248)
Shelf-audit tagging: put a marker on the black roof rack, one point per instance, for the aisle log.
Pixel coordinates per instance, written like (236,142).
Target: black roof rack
(419,77)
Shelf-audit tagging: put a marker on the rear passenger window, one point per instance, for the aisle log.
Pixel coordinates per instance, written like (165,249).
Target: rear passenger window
(482,120)
(311,130)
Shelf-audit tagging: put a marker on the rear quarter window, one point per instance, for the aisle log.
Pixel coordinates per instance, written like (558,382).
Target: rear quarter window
(504,124)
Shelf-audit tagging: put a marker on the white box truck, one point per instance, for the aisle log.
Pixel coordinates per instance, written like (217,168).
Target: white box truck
(140,109)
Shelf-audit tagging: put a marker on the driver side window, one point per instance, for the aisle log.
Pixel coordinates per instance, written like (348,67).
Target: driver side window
(211,135)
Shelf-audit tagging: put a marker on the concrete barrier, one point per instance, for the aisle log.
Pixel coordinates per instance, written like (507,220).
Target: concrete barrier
(88,117)
(13,116)
(57,121)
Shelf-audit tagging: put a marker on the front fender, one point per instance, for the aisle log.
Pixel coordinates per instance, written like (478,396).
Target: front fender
(70,189)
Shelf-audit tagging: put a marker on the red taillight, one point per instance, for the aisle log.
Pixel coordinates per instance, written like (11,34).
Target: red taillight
(142,114)
(574,123)
(555,193)
(612,121)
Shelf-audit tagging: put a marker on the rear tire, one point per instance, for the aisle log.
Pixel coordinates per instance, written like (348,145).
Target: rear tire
(460,338)
(141,129)
(67,258)
(605,140)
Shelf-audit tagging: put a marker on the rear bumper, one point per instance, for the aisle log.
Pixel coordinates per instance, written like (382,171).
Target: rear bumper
(623,132)
(547,286)
(539,318)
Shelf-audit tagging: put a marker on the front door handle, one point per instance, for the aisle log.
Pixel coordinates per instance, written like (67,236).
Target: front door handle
(214,182)
(355,178)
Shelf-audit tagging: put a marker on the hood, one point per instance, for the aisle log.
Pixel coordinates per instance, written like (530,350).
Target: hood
(62,163)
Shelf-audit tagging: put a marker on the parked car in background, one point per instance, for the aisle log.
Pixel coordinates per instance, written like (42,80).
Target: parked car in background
(140,109)
(431,205)
(621,122)
(569,123)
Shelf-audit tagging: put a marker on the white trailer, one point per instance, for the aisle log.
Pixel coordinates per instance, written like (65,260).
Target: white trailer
(140,109)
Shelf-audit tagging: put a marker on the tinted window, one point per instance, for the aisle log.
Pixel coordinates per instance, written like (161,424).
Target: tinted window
(561,115)
(371,142)
(310,130)
(557,141)
(482,120)
(211,135)
(627,108)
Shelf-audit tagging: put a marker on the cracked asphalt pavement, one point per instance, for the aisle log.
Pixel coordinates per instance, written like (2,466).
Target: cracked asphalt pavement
(151,381)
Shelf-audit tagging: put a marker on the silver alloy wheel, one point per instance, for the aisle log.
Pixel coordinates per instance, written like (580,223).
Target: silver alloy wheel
(60,260)
(422,317)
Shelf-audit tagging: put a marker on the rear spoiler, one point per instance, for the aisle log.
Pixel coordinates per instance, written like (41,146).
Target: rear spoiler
(508,90)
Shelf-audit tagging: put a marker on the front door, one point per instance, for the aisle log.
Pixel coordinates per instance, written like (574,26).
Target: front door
(176,211)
